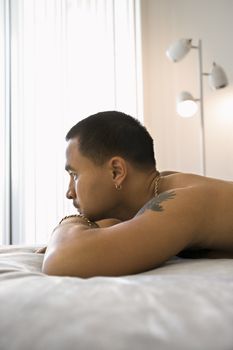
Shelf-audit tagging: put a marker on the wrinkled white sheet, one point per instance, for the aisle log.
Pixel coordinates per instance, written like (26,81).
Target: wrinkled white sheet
(183,305)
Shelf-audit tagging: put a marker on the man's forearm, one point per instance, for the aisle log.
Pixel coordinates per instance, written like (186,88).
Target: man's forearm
(63,236)
(66,232)
(67,239)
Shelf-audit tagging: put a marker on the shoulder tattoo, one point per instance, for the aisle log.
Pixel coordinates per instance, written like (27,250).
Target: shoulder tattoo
(155,203)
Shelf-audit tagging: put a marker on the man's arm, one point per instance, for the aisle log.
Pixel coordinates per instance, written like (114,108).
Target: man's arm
(100,223)
(134,246)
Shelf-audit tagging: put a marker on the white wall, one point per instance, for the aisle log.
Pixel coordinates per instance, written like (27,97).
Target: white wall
(178,140)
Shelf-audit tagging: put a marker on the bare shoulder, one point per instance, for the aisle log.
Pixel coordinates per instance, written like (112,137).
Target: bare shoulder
(168,172)
(178,210)
(180,180)
(211,205)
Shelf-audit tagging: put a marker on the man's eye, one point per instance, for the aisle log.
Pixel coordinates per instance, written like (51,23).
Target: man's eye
(74,176)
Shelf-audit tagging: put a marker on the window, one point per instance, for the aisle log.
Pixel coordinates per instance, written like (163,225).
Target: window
(67,59)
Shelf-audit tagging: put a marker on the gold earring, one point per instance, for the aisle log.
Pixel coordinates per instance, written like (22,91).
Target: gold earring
(118,187)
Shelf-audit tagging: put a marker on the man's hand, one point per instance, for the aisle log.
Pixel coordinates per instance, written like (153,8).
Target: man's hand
(41,250)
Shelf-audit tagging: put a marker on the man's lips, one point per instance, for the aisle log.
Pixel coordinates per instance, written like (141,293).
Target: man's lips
(75,205)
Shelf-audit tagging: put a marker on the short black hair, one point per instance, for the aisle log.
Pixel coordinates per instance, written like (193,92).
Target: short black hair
(111,133)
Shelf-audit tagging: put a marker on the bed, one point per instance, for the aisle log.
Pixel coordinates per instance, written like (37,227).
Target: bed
(183,304)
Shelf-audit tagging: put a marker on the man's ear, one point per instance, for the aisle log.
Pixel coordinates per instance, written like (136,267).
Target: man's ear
(118,168)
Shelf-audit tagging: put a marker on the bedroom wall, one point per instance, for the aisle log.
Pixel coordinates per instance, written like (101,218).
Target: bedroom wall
(178,140)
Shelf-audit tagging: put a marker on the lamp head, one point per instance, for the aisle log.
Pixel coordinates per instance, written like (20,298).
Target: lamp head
(217,77)
(179,49)
(186,104)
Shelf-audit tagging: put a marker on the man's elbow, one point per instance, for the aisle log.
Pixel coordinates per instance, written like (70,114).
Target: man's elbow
(56,266)
(49,270)
(50,266)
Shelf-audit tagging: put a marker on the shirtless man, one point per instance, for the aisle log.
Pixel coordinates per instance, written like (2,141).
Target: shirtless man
(134,217)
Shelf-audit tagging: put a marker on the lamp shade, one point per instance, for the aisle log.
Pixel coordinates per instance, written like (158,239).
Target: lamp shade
(217,77)
(186,104)
(179,49)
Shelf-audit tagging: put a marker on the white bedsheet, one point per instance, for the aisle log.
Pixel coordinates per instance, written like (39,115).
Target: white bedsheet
(184,304)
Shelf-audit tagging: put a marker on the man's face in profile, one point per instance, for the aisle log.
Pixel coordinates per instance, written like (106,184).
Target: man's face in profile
(90,187)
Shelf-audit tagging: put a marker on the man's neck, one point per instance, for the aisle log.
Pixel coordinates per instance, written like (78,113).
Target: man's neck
(140,189)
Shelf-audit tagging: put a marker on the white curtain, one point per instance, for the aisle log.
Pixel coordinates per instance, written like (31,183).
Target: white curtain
(68,59)
(5,189)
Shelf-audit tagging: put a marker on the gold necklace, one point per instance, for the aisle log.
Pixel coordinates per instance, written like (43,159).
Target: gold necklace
(157,184)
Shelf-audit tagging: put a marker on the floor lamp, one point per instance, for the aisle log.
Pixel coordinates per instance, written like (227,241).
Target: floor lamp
(186,104)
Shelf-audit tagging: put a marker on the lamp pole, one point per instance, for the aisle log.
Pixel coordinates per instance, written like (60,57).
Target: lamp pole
(201,100)
(202,108)
(218,80)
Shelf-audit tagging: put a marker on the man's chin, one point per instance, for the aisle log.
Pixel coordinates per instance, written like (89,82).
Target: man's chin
(98,217)
(91,216)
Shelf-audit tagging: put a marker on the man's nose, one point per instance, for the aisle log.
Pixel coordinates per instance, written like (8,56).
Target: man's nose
(70,194)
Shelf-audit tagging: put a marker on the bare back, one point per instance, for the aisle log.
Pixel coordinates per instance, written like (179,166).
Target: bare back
(217,229)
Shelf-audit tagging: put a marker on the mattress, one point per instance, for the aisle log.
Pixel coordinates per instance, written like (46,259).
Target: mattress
(183,304)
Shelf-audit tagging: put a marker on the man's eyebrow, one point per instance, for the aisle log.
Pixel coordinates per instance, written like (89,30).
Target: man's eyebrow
(69,168)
